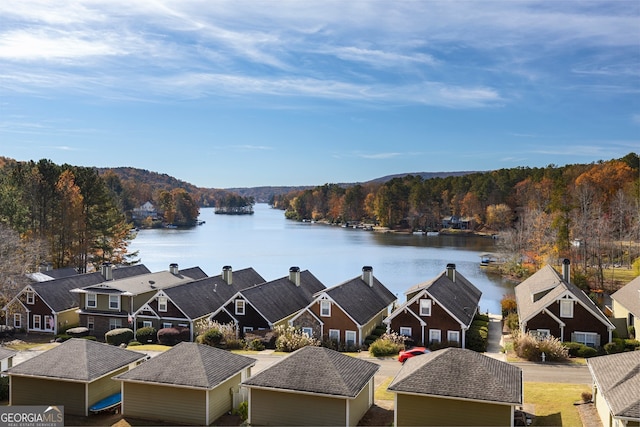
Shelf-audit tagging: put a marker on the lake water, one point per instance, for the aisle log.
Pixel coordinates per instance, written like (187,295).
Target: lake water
(272,244)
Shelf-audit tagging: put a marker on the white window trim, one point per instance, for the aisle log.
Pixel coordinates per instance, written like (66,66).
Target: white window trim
(118,301)
(325,308)
(92,298)
(17,320)
(48,322)
(586,334)
(425,310)
(240,307)
(246,329)
(162,304)
(543,333)
(308,331)
(431,338)
(147,324)
(346,337)
(31,297)
(334,332)
(167,325)
(91,323)
(37,321)
(405,329)
(115,324)
(566,303)
(451,334)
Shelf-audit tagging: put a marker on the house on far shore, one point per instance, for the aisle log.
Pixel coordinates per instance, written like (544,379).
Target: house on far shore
(626,305)
(549,304)
(188,384)
(348,312)
(456,387)
(437,311)
(75,374)
(313,386)
(616,388)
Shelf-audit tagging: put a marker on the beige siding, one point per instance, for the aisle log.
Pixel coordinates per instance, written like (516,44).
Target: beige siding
(220,398)
(293,409)
(69,317)
(602,408)
(169,404)
(431,411)
(371,325)
(36,391)
(104,387)
(359,406)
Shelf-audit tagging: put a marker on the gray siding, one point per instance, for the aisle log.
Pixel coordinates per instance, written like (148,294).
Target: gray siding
(293,409)
(36,391)
(165,403)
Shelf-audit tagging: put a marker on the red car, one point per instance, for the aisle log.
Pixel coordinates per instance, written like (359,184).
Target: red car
(414,351)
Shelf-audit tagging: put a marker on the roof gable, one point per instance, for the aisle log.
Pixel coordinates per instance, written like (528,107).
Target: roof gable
(460,373)
(78,360)
(191,365)
(618,379)
(361,301)
(317,370)
(629,296)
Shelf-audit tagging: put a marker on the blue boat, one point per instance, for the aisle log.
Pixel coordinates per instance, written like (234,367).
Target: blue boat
(107,403)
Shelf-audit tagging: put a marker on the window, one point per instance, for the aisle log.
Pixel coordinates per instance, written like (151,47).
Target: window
(146,323)
(308,331)
(162,304)
(115,324)
(114,302)
(541,333)
(36,322)
(566,308)
(325,308)
(31,298)
(17,320)
(453,336)
(350,338)
(167,325)
(434,336)
(48,322)
(91,300)
(587,338)
(240,307)
(405,330)
(91,323)
(425,307)
(246,329)
(334,335)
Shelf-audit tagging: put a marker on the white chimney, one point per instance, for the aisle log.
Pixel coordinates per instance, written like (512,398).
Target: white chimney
(367,275)
(227,274)
(294,275)
(107,271)
(566,270)
(451,272)
(173,268)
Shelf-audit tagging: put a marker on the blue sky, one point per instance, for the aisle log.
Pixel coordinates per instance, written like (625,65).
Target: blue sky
(248,93)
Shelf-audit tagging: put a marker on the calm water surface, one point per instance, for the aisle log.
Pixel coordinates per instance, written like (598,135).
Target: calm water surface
(271,244)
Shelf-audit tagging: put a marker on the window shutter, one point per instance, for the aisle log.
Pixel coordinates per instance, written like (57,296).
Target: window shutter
(573,336)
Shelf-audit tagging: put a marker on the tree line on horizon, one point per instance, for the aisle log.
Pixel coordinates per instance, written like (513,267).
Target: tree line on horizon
(582,211)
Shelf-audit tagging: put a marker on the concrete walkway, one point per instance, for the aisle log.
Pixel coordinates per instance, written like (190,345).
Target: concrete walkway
(496,339)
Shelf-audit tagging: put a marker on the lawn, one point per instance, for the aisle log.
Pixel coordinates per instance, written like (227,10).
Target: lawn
(553,403)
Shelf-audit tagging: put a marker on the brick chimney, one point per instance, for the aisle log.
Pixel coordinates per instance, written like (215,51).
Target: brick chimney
(367,275)
(451,272)
(294,275)
(227,274)
(173,268)
(566,270)
(107,271)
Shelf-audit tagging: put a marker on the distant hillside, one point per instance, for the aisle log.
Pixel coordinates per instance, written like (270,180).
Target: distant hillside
(423,175)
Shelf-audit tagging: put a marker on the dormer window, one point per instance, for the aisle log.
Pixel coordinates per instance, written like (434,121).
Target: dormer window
(325,308)
(114,302)
(91,300)
(425,307)
(31,297)
(240,307)
(162,304)
(566,308)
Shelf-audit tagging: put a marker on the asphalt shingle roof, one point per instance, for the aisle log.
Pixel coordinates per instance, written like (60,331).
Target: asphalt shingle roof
(460,373)
(77,359)
(618,379)
(629,296)
(359,300)
(204,296)
(317,370)
(189,364)
(6,353)
(143,283)
(281,298)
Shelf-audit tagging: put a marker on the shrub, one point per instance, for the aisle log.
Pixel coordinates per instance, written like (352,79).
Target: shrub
(134,343)
(228,330)
(508,304)
(212,337)
(78,332)
(242,410)
(615,346)
(477,338)
(4,388)
(530,348)
(147,334)
(573,347)
(632,331)
(586,396)
(291,339)
(7,331)
(234,344)
(90,338)
(62,337)
(553,349)
(172,336)
(482,317)
(512,321)
(587,352)
(118,336)
(384,347)
(255,345)
(631,344)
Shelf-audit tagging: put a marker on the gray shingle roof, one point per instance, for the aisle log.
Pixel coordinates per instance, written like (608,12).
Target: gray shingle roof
(618,379)
(189,364)
(140,284)
(317,370)
(6,353)
(460,373)
(76,359)
(281,298)
(629,296)
(361,301)
(204,296)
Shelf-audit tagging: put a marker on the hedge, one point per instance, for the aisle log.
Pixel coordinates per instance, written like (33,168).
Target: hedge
(118,336)
(147,334)
(173,336)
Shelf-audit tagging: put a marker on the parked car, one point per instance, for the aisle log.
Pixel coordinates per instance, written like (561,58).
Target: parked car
(415,351)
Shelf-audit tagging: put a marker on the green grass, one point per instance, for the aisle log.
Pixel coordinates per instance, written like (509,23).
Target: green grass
(22,346)
(553,403)
(150,347)
(381,391)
